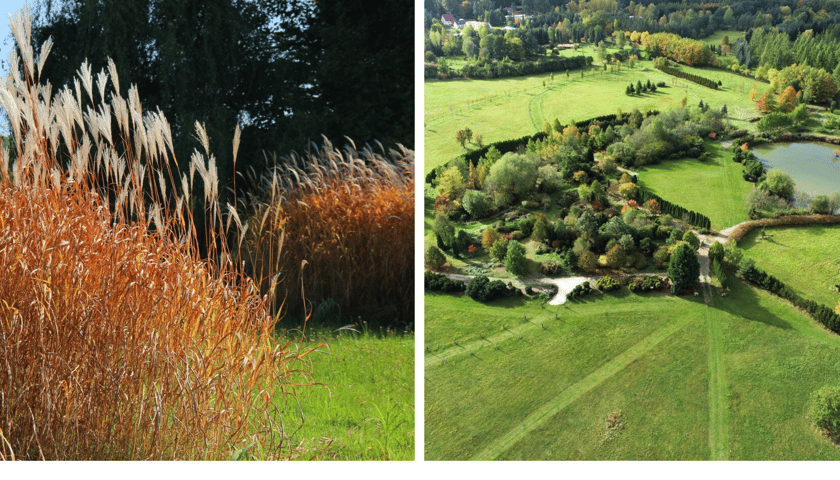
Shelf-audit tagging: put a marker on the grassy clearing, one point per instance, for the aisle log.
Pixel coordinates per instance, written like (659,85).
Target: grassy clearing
(506,108)
(788,252)
(692,384)
(717,37)
(715,189)
(365,410)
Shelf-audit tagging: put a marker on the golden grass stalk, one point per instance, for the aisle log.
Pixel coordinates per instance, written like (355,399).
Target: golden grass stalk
(350,216)
(117,341)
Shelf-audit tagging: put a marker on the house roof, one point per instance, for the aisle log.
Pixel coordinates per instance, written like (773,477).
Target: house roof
(448,17)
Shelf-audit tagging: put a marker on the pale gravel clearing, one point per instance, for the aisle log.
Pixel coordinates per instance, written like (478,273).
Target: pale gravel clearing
(564,284)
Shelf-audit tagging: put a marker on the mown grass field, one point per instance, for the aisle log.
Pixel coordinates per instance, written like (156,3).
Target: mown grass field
(726,381)
(364,407)
(714,188)
(501,109)
(806,259)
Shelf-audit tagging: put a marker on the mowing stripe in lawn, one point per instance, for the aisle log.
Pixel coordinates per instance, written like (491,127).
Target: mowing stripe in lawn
(718,414)
(433,360)
(569,395)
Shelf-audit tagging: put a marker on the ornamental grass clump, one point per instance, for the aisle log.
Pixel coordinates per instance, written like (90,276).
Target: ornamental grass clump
(344,221)
(116,340)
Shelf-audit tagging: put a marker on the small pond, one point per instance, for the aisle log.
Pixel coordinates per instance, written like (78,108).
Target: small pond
(813,166)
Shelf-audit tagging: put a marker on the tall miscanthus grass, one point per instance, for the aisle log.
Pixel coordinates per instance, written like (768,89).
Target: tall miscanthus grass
(116,340)
(344,221)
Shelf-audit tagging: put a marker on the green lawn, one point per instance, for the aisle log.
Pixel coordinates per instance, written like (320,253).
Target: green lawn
(717,37)
(730,381)
(715,188)
(804,258)
(501,109)
(363,408)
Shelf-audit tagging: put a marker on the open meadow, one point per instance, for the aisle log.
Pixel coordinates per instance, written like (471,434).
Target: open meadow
(717,187)
(500,109)
(803,258)
(611,377)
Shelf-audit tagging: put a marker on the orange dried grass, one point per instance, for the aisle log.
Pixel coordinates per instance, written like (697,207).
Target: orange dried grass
(741,231)
(350,216)
(117,342)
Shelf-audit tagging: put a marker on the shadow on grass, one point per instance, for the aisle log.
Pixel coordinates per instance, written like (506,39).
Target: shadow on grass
(742,301)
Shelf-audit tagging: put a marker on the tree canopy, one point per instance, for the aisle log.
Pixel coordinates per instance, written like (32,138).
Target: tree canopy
(287,71)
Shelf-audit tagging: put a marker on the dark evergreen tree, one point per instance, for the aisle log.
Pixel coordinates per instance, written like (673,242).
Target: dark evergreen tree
(683,268)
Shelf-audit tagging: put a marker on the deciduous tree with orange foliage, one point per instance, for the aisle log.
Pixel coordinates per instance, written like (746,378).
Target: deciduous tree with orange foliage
(787,101)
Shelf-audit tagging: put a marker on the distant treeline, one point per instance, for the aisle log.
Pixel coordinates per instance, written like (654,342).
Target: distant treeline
(495,69)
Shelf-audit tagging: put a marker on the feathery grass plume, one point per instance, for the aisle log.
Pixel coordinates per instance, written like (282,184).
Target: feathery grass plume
(350,215)
(117,342)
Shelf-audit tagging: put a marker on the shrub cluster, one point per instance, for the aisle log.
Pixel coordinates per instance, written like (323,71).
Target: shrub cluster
(480,288)
(690,77)
(639,88)
(580,290)
(753,169)
(436,282)
(645,283)
(607,283)
(552,268)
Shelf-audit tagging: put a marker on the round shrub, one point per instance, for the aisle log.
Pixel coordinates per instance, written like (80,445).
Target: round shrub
(481,289)
(477,203)
(434,257)
(825,409)
(515,261)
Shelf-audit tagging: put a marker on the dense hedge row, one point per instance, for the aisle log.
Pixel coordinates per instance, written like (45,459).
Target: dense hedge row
(492,69)
(825,315)
(690,77)
(435,282)
(742,230)
(697,219)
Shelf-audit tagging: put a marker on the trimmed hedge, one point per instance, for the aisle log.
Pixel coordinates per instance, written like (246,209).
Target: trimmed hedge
(435,282)
(690,77)
(821,313)
(665,207)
